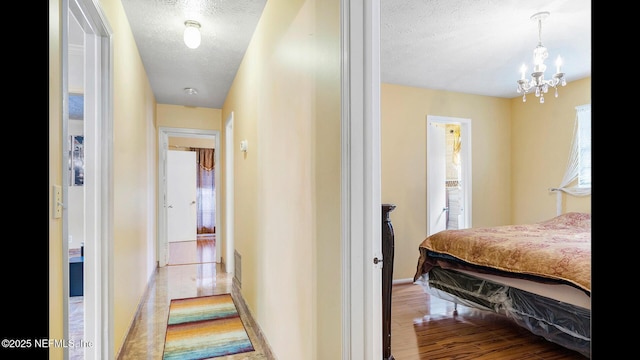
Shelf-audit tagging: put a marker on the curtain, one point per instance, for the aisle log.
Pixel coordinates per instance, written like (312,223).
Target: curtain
(569,184)
(206,190)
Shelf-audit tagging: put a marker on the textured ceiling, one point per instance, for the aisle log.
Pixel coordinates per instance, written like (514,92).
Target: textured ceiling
(226,30)
(469,46)
(478,47)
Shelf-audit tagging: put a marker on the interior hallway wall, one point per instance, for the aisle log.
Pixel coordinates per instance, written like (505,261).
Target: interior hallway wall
(286,104)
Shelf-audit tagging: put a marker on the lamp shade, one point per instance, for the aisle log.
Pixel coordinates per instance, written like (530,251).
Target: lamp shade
(192,34)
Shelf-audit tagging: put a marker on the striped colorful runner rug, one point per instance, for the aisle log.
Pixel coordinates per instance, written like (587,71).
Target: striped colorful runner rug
(204,327)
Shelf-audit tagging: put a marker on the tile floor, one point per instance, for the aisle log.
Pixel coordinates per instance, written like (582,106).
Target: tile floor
(76,326)
(146,337)
(201,277)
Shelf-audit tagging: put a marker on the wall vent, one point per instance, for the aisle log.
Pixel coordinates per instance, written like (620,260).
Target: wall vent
(237,267)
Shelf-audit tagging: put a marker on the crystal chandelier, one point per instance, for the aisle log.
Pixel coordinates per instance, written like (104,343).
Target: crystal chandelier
(537,81)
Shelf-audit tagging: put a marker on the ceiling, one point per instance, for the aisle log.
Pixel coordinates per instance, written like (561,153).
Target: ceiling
(467,46)
(478,47)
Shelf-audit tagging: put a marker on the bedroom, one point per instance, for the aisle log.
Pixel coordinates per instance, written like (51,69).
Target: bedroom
(519,151)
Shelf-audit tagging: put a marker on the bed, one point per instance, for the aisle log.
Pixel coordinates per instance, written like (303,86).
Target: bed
(538,275)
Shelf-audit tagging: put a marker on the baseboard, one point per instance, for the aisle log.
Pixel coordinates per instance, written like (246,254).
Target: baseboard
(237,295)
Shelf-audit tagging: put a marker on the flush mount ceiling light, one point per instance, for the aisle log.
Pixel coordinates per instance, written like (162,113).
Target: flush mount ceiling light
(192,34)
(537,81)
(190,91)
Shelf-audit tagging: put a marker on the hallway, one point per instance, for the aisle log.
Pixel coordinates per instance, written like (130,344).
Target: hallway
(146,336)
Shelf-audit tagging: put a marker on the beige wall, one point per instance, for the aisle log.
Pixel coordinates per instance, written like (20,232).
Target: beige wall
(182,143)
(541,144)
(285,100)
(403,118)
(177,116)
(133,105)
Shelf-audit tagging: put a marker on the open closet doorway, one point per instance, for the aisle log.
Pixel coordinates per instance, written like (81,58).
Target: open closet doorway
(188,219)
(448,173)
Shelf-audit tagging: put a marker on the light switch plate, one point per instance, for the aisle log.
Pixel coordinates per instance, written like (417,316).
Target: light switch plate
(57,201)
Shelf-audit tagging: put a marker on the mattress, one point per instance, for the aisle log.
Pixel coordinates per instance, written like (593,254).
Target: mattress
(561,292)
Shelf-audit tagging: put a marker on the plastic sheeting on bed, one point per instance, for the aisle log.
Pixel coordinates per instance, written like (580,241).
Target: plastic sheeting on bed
(562,323)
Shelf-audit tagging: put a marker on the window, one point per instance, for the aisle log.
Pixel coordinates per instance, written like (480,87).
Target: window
(584,145)
(577,177)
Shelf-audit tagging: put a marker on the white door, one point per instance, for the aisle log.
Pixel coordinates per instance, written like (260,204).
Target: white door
(436,178)
(181,196)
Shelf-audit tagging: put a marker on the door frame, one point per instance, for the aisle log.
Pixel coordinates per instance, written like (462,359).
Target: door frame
(465,171)
(163,146)
(229,245)
(98,199)
(361,204)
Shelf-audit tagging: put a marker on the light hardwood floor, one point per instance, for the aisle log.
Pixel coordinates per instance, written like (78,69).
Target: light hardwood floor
(424,327)
(197,251)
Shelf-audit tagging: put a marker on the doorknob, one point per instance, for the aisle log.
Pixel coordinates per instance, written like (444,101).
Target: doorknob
(445,209)
(193,202)
(170,206)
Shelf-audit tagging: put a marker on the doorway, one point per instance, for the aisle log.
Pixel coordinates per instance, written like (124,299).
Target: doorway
(75,189)
(191,199)
(174,139)
(86,188)
(448,173)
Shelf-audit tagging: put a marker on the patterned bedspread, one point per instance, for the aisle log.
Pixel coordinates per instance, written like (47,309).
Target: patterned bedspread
(558,249)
